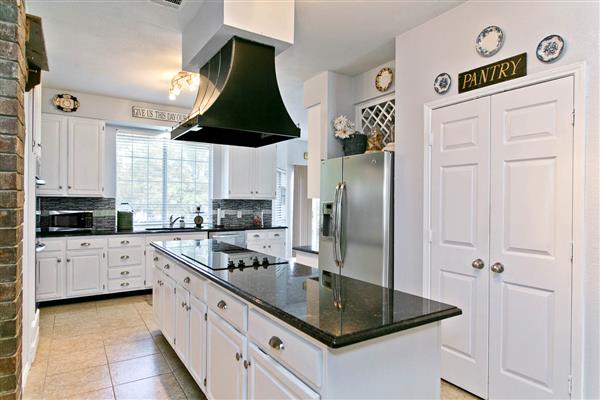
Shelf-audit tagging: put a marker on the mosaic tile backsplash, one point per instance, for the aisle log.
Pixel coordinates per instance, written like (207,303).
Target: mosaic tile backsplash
(103,209)
(249,208)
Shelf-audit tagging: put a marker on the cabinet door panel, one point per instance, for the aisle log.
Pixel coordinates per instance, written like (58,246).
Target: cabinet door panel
(182,324)
(265,173)
(225,372)
(267,379)
(168,310)
(54,155)
(86,152)
(49,276)
(197,351)
(86,272)
(157,297)
(240,164)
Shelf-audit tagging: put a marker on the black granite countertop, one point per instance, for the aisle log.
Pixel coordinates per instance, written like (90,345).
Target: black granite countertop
(144,231)
(299,296)
(307,249)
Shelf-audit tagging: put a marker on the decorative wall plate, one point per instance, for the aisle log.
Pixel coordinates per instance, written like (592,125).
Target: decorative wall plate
(489,41)
(65,102)
(442,83)
(384,79)
(550,48)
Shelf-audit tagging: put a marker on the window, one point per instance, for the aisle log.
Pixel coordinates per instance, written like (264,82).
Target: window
(159,177)
(279,216)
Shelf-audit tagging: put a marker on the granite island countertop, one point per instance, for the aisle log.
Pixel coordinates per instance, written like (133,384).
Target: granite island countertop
(299,296)
(307,249)
(144,231)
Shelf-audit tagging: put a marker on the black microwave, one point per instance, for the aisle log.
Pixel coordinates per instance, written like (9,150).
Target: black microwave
(59,221)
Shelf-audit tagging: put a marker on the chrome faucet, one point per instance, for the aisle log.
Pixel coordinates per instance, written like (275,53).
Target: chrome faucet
(172,221)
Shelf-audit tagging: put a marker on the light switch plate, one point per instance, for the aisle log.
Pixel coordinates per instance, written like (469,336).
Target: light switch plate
(239,214)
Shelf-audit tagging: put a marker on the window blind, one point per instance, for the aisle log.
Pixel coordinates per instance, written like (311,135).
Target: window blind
(279,213)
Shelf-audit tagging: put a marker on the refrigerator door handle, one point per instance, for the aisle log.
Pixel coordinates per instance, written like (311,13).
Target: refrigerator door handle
(334,220)
(338,223)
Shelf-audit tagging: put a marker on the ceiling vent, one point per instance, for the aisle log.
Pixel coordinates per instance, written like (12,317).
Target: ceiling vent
(169,3)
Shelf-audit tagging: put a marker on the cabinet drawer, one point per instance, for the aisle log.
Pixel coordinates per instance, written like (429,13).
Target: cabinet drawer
(129,241)
(115,285)
(226,306)
(195,285)
(117,257)
(133,271)
(85,243)
(302,357)
(52,245)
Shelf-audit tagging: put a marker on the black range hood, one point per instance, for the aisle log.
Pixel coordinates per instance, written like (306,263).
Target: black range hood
(238,101)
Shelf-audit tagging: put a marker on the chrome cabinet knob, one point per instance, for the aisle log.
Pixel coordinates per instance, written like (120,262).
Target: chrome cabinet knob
(167,266)
(246,364)
(238,356)
(276,343)
(124,241)
(222,305)
(125,257)
(155,258)
(478,264)
(497,268)
(187,279)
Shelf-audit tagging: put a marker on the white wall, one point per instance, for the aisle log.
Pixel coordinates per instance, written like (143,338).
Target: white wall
(446,44)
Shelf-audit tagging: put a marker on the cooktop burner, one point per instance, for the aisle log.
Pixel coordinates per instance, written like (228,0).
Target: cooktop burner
(219,255)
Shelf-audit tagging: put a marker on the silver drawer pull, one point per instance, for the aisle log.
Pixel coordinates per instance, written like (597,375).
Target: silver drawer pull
(177,238)
(124,241)
(276,235)
(167,266)
(256,235)
(155,258)
(124,272)
(125,284)
(85,244)
(125,257)
(187,279)
(222,305)
(276,343)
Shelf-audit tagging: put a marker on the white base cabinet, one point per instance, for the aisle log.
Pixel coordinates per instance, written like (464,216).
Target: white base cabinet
(86,272)
(271,242)
(233,351)
(49,274)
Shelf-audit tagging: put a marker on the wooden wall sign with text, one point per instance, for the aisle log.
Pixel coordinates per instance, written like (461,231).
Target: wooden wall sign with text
(148,113)
(500,71)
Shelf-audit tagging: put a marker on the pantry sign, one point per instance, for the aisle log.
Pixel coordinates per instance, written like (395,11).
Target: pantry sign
(500,71)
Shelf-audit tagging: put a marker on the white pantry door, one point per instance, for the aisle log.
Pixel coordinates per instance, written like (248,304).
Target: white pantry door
(530,235)
(460,237)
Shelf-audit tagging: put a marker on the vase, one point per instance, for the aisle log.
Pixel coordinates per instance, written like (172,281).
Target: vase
(355,144)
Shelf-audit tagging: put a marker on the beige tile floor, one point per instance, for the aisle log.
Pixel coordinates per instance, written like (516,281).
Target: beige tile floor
(112,349)
(107,349)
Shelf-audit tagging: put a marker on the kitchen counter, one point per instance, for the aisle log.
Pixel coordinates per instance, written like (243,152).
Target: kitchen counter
(307,249)
(143,231)
(296,294)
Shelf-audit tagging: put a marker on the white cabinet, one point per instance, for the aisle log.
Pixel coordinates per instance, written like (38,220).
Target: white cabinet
(225,372)
(86,272)
(72,156)
(267,379)
(168,309)
(248,173)
(267,242)
(54,155)
(197,349)
(49,275)
(316,150)
(182,323)
(157,296)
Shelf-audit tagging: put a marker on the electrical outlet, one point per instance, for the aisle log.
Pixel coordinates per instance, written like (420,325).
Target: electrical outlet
(239,214)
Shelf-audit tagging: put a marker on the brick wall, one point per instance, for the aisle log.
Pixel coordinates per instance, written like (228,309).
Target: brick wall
(12,136)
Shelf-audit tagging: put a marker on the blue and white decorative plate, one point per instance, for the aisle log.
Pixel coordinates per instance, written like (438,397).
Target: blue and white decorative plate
(550,48)
(489,41)
(442,83)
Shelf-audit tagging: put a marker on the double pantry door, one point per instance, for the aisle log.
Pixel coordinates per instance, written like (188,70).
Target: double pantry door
(501,243)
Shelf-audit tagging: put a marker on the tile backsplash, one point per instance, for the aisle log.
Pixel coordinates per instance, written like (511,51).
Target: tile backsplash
(248,208)
(103,209)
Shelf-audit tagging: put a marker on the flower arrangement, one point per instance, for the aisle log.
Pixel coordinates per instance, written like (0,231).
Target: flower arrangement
(343,127)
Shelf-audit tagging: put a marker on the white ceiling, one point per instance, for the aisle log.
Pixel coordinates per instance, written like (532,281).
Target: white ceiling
(132,48)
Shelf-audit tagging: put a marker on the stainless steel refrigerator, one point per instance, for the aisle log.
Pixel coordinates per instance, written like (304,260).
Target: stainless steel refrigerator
(356,235)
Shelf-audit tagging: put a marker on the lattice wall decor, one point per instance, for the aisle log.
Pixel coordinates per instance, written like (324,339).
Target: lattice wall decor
(382,116)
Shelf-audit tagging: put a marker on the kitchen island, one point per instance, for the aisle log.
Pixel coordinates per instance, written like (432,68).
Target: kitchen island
(264,327)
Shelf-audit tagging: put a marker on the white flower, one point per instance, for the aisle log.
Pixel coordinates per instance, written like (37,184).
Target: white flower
(343,127)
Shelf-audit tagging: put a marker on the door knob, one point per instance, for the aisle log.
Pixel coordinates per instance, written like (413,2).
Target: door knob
(478,264)
(498,268)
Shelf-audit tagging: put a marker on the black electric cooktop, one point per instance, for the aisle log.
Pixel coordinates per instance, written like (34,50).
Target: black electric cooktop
(218,255)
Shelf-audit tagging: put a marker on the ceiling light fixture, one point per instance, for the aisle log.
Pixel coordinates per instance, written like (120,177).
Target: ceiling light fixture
(181,80)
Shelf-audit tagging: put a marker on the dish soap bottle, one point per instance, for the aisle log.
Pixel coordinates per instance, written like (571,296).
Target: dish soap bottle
(182,222)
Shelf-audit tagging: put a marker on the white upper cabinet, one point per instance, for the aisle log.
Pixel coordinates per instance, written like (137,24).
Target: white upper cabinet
(85,157)
(72,156)
(248,173)
(54,155)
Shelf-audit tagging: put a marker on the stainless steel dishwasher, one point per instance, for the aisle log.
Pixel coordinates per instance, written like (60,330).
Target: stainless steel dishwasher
(236,238)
